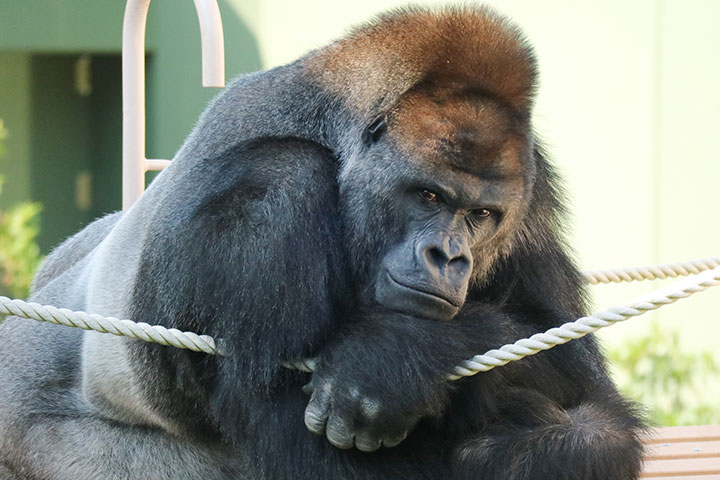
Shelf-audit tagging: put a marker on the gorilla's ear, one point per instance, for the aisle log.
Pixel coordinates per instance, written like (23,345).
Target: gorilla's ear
(374,131)
(468,48)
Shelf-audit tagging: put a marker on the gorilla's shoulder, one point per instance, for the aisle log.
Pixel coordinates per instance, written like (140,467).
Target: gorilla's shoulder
(73,249)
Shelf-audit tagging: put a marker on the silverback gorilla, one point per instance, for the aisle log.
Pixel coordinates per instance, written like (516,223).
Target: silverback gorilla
(380,205)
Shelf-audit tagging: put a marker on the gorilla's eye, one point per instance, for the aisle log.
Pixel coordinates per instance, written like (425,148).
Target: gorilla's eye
(482,212)
(429,196)
(375,130)
(480,216)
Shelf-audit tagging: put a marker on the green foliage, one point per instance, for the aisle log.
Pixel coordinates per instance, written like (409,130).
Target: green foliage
(678,387)
(19,253)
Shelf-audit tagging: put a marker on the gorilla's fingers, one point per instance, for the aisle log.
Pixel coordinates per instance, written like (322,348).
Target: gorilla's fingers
(366,443)
(308,388)
(315,420)
(394,442)
(316,412)
(338,433)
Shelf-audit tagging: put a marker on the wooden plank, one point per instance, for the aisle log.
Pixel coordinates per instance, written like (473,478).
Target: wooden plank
(665,451)
(676,467)
(683,453)
(683,434)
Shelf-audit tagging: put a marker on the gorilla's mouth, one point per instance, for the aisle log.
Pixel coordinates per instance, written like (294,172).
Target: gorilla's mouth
(418,291)
(402,298)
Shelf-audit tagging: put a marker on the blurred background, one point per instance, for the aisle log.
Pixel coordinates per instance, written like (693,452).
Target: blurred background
(629,107)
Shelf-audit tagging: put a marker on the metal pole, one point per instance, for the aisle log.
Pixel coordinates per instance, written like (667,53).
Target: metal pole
(213,43)
(133,77)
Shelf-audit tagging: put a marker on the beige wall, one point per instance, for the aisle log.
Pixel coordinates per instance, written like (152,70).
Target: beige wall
(630,107)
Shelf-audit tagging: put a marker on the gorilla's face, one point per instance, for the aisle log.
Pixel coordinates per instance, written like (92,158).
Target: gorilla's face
(432,195)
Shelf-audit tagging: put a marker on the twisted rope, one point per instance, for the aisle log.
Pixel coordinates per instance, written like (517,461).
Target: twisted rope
(708,275)
(125,328)
(583,326)
(653,272)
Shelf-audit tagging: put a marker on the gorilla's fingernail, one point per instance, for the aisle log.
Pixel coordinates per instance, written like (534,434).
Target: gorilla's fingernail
(366,444)
(338,434)
(343,443)
(394,442)
(315,421)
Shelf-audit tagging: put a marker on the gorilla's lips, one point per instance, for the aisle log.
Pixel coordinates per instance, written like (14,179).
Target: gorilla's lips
(436,295)
(412,300)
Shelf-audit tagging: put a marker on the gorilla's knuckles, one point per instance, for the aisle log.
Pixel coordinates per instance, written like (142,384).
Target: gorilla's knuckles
(348,417)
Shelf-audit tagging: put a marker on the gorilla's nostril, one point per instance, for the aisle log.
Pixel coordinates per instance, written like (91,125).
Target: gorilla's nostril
(459,265)
(436,257)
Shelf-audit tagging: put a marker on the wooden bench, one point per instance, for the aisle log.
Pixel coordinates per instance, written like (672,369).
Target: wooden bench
(683,453)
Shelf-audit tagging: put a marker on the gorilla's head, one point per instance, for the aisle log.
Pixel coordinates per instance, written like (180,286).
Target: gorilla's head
(437,168)
(435,188)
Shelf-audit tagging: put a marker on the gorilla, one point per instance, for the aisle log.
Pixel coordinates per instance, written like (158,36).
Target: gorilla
(380,205)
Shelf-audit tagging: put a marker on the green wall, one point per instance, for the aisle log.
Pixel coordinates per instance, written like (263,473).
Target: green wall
(63,140)
(15,113)
(74,142)
(61,25)
(174,75)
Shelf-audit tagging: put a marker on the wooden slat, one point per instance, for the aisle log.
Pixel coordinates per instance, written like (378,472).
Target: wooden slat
(659,468)
(694,466)
(683,453)
(684,434)
(665,451)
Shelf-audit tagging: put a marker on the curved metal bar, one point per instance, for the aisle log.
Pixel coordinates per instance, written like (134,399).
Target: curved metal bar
(133,77)
(213,43)
(156,164)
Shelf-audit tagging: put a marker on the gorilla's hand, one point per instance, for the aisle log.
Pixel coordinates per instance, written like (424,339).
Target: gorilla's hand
(348,415)
(378,378)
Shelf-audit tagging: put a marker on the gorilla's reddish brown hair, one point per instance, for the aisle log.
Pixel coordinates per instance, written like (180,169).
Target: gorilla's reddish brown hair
(470,46)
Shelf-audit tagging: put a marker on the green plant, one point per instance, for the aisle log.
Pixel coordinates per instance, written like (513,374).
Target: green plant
(19,253)
(678,387)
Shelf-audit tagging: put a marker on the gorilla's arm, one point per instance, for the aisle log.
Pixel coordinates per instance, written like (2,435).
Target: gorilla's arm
(251,257)
(555,415)
(379,377)
(539,439)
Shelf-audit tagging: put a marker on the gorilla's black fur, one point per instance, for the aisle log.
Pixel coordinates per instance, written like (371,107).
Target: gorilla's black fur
(380,205)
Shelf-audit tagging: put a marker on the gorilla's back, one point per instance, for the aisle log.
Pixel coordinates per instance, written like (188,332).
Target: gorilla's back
(46,356)
(70,252)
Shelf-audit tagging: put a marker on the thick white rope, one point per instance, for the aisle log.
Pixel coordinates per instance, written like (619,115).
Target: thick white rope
(479,363)
(583,326)
(125,328)
(653,272)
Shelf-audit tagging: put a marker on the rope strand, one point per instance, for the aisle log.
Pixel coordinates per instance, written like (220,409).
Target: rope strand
(125,328)
(653,272)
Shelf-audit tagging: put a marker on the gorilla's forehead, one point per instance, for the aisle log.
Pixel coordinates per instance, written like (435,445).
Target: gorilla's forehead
(461,130)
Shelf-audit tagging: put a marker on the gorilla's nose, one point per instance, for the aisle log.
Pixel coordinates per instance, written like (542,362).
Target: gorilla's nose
(446,258)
